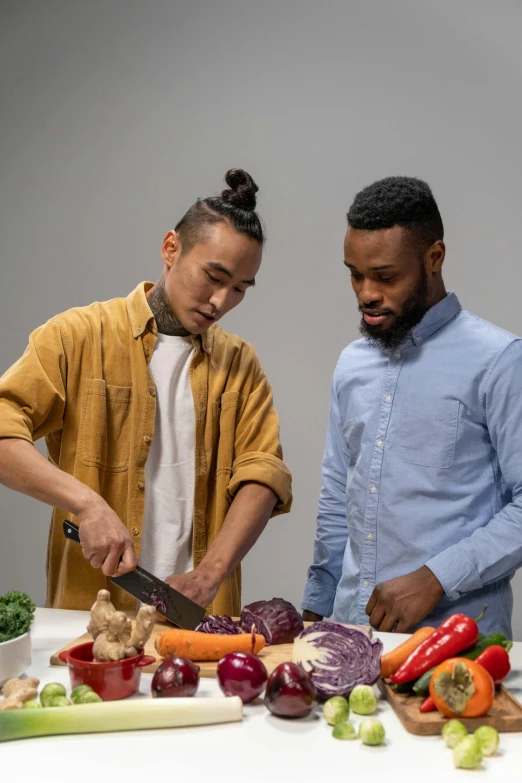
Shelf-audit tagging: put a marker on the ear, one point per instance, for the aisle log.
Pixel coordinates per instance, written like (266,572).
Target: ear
(170,248)
(435,257)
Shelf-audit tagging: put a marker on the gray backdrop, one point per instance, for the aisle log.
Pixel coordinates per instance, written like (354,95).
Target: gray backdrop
(116,116)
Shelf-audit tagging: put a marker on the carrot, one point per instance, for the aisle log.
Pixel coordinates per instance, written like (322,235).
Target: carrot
(198,646)
(391,662)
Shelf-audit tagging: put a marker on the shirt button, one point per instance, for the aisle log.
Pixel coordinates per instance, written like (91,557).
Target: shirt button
(135,531)
(147,438)
(397,356)
(388,398)
(141,485)
(370,536)
(152,391)
(373,490)
(146,351)
(366,583)
(380,444)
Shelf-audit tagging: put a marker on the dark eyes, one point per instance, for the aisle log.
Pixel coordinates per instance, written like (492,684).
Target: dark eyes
(217,280)
(387,279)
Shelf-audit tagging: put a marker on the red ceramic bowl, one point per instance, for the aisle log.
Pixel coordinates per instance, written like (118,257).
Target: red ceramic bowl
(110,680)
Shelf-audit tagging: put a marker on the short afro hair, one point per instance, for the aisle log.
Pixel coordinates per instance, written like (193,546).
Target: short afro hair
(398,201)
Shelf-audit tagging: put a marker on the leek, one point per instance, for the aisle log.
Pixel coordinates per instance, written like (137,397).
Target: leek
(119,716)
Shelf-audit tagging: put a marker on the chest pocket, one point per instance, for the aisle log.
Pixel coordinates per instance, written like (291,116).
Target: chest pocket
(105,427)
(428,431)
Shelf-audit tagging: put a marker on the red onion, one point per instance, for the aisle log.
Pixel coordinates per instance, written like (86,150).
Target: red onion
(290,692)
(175,677)
(241,674)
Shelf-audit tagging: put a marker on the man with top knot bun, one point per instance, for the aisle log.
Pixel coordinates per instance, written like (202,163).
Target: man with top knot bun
(162,435)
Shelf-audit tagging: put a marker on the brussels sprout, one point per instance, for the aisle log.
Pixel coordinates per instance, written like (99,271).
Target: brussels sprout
(336,710)
(363,700)
(453,732)
(50,691)
(58,701)
(487,737)
(75,693)
(88,697)
(344,731)
(467,753)
(371,732)
(32,705)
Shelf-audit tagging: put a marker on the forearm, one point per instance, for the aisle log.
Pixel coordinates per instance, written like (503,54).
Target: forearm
(24,469)
(247,517)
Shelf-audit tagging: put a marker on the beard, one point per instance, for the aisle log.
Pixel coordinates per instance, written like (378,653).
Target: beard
(414,309)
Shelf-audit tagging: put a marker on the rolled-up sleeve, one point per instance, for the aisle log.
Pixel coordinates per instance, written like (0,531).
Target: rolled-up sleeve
(32,390)
(258,454)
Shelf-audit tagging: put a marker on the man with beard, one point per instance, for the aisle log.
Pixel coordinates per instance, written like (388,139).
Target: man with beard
(420,511)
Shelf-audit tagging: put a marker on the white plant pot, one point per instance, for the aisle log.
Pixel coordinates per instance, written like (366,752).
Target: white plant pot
(15,657)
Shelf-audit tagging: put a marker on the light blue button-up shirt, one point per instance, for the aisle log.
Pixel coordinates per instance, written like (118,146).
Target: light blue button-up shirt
(423,466)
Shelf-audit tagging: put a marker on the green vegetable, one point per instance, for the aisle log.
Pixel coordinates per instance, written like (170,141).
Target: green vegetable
(371,731)
(89,697)
(59,701)
(422,686)
(344,731)
(453,732)
(487,737)
(363,700)
(32,705)
(16,615)
(50,691)
(467,753)
(119,716)
(403,687)
(336,710)
(484,642)
(79,691)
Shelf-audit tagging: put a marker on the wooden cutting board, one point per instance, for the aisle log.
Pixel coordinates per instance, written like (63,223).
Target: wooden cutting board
(271,656)
(504,715)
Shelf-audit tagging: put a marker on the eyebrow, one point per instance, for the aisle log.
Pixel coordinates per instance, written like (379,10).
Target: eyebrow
(220,268)
(379,268)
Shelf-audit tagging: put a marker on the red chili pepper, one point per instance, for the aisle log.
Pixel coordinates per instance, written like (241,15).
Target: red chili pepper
(495,660)
(428,705)
(455,634)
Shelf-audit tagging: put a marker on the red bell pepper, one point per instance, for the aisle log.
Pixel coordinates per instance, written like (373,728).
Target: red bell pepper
(495,660)
(454,635)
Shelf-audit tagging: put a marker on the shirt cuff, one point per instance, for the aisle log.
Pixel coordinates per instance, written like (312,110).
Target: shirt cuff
(455,571)
(318,598)
(14,422)
(264,469)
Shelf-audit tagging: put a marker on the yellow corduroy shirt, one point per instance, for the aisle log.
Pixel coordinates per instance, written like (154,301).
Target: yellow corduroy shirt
(83,384)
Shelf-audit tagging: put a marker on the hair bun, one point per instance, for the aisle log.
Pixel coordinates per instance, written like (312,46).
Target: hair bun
(242,190)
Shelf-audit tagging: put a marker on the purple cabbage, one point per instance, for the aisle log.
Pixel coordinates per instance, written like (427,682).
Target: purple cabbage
(214,623)
(339,657)
(277,620)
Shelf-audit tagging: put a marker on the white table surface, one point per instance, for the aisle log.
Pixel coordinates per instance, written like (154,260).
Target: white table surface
(260,748)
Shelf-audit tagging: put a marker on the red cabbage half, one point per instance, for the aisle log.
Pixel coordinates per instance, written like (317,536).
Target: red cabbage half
(214,623)
(339,657)
(277,620)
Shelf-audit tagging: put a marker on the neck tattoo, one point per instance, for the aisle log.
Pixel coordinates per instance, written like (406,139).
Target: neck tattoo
(165,319)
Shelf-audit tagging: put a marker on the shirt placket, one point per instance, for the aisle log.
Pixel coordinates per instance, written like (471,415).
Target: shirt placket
(368,574)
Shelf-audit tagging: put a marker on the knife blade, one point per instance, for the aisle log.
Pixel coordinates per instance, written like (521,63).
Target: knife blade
(148,589)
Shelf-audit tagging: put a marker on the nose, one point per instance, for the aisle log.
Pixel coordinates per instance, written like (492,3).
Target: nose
(369,294)
(219,298)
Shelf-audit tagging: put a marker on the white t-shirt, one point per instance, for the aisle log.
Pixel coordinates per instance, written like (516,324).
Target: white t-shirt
(166,542)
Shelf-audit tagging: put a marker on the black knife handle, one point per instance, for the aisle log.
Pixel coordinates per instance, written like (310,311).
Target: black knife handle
(71,531)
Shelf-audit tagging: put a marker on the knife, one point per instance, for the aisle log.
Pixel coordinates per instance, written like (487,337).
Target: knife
(148,589)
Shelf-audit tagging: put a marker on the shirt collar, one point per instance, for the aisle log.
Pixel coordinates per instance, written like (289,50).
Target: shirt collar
(436,317)
(141,317)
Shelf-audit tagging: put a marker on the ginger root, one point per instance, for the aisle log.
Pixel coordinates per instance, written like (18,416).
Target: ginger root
(17,692)
(100,612)
(114,635)
(110,645)
(141,631)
